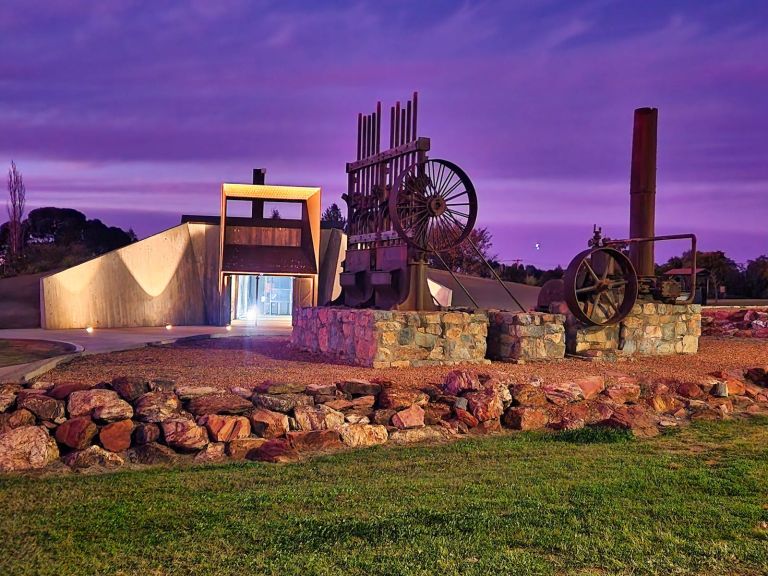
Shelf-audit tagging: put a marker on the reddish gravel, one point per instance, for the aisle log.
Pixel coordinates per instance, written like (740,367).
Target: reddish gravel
(245,361)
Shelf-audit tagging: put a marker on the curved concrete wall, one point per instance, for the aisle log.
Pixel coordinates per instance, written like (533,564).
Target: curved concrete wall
(157,281)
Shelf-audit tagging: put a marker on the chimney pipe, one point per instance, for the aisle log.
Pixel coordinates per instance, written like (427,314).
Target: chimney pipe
(642,190)
(259,174)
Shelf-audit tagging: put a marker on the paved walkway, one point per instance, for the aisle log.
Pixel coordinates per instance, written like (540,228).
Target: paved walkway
(114,339)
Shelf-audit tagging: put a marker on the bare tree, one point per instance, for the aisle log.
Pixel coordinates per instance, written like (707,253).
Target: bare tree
(17,193)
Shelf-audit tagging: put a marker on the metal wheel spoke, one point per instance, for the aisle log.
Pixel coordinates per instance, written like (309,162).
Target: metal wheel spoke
(591,271)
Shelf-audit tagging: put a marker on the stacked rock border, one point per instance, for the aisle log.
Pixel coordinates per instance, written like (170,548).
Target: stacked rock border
(77,425)
(735,322)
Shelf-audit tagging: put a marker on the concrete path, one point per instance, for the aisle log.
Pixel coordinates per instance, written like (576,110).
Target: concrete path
(103,340)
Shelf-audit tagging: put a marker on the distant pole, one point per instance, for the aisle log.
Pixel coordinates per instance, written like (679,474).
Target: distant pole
(642,190)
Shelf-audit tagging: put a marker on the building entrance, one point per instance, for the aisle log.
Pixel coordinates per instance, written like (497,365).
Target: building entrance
(260,296)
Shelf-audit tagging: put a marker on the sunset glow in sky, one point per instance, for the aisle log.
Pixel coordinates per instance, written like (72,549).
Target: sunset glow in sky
(135,112)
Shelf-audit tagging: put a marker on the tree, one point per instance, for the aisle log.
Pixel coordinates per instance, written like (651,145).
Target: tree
(722,270)
(463,257)
(334,217)
(275,214)
(756,276)
(17,193)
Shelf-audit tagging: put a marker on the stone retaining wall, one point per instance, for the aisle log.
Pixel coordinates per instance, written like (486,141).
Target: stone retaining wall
(651,329)
(525,337)
(738,321)
(383,339)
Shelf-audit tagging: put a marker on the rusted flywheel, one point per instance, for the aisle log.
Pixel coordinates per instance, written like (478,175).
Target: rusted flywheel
(433,205)
(600,286)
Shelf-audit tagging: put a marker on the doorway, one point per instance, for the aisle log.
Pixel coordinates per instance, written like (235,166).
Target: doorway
(261,296)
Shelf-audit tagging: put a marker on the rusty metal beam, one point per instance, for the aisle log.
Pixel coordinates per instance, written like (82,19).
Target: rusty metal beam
(642,190)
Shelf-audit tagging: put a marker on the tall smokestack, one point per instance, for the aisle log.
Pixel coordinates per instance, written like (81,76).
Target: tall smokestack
(642,190)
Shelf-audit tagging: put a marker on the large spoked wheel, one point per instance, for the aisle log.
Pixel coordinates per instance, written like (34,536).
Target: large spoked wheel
(600,286)
(433,205)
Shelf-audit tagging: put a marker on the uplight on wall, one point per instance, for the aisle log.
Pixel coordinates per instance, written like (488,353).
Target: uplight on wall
(229,328)
(89,329)
(168,326)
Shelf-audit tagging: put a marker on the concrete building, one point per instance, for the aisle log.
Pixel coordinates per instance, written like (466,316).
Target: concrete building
(260,257)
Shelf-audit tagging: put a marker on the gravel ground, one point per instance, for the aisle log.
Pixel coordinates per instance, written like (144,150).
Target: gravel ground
(247,361)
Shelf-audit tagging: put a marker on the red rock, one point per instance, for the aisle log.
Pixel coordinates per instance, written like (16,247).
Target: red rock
(239,448)
(184,434)
(466,418)
(77,433)
(485,404)
(735,387)
(268,424)
(634,418)
(63,390)
(112,412)
(224,403)
(355,387)
(436,413)
(226,428)
(363,435)
(130,388)
(528,395)
(317,417)
(321,390)
(8,396)
(590,386)
(153,453)
(487,427)
(116,437)
(339,404)
(397,399)
(93,456)
(412,417)
(211,453)
(724,405)
(665,403)
(425,434)
(43,407)
(689,390)
(157,406)
(281,402)
(83,402)
(146,433)
(458,381)
(273,387)
(526,418)
(190,392)
(16,419)
(315,440)
(26,448)
(623,390)
(563,393)
(383,417)
(276,450)
(364,401)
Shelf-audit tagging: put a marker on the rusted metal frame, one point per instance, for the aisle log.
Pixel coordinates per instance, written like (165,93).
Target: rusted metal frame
(420,144)
(691,237)
(498,279)
(455,279)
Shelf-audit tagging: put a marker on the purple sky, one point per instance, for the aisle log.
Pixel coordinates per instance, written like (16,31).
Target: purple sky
(136,111)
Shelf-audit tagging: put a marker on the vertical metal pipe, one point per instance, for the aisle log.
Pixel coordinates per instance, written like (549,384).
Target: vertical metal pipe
(378,127)
(408,122)
(359,135)
(642,190)
(415,108)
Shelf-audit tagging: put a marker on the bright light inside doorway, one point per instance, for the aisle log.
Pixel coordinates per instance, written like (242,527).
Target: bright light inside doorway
(252,314)
(89,329)
(229,328)
(168,326)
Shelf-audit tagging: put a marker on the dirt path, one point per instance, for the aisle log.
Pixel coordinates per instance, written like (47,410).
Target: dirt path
(250,360)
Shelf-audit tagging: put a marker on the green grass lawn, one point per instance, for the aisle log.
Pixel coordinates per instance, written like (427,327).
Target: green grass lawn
(693,502)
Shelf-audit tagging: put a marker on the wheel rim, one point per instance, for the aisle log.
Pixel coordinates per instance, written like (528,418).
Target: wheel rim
(600,286)
(433,205)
